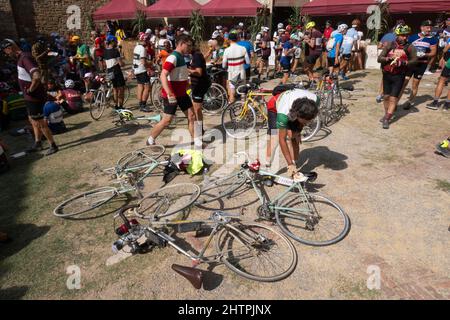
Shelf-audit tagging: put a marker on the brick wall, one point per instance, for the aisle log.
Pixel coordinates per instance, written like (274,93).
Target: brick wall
(7,24)
(45,16)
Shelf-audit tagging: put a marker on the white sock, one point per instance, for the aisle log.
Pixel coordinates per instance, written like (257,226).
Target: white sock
(151,141)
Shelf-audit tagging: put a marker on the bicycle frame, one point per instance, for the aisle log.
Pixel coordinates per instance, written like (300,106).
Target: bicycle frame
(216,227)
(250,98)
(272,204)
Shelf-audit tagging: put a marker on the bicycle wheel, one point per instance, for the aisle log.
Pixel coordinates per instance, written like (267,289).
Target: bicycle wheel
(85,202)
(168,201)
(127,94)
(157,100)
(237,123)
(256,252)
(141,157)
(311,129)
(98,105)
(314,220)
(215,99)
(221,187)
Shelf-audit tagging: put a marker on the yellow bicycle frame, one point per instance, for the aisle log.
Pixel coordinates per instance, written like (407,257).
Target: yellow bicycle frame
(251,98)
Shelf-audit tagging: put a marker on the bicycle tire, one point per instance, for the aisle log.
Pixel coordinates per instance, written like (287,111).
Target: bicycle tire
(141,157)
(155,95)
(127,94)
(98,105)
(248,122)
(107,192)
(231,183)
(311,129)
(288,227)
(215,99)
(273,240)
(163,202)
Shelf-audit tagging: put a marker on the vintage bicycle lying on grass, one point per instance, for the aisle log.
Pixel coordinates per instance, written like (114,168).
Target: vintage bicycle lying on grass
(251,250)
(311,219)
(128,175)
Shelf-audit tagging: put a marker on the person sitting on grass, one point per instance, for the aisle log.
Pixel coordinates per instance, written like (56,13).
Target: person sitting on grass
(70,99)
(53,114)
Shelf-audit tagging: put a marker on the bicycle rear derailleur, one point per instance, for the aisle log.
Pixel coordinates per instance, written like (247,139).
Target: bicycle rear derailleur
(264,212)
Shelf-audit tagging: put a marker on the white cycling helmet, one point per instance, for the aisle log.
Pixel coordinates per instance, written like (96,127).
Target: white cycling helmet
(342,28)
(280,26)
(69,84)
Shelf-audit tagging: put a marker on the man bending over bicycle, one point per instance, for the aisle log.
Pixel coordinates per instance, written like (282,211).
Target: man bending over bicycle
(289,112)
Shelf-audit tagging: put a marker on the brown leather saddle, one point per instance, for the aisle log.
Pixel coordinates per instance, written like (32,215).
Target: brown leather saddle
(195,276)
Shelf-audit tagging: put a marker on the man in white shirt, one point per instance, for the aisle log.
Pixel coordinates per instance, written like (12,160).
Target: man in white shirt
(235,57)
(141,62)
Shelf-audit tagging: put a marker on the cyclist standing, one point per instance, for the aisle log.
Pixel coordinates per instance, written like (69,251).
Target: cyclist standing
(395,59)
(114,66)
(443,79)
(335,46)
(313,49)
(426,47)
(141,62)
(175,79)
(34,93)
(234,58)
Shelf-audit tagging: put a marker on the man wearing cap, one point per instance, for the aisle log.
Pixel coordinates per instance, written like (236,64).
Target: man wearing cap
(34,94)
(426,47)
(84,58)
(313,49)
(234,58)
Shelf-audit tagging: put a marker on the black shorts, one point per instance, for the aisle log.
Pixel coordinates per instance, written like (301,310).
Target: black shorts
(35,110)
(199,91)
(417,71)
(143,78)
(312,59)
(272,123)
(247,74)
(83,70)
(393,84)
(118,80)
(265,58)
(285,67)
(185,103)
(331,63)
(445,73)
(347,57)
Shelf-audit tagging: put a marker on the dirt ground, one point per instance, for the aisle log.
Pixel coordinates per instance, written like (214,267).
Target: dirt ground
(392,185)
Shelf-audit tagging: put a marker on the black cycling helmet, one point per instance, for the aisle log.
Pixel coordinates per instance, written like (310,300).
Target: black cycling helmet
(427,23)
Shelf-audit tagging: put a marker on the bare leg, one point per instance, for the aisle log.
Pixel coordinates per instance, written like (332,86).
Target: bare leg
(145,93)
(191,120)
(160,126)
(120,96)
(46,131)
(415,89)
(140,90)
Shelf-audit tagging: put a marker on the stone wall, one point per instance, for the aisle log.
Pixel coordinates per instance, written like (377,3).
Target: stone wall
(45,16)
(7,23)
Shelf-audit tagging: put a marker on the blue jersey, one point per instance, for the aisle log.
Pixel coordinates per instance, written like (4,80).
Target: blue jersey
(349,39)
(247,45)
(286,59)
(422,44)
(338,39)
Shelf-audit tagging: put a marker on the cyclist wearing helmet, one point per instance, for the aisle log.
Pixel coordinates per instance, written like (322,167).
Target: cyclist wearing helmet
(70,98)
(34,94)
(114,63)
(313,48)
(84,58)
(395,60)
(426,47)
